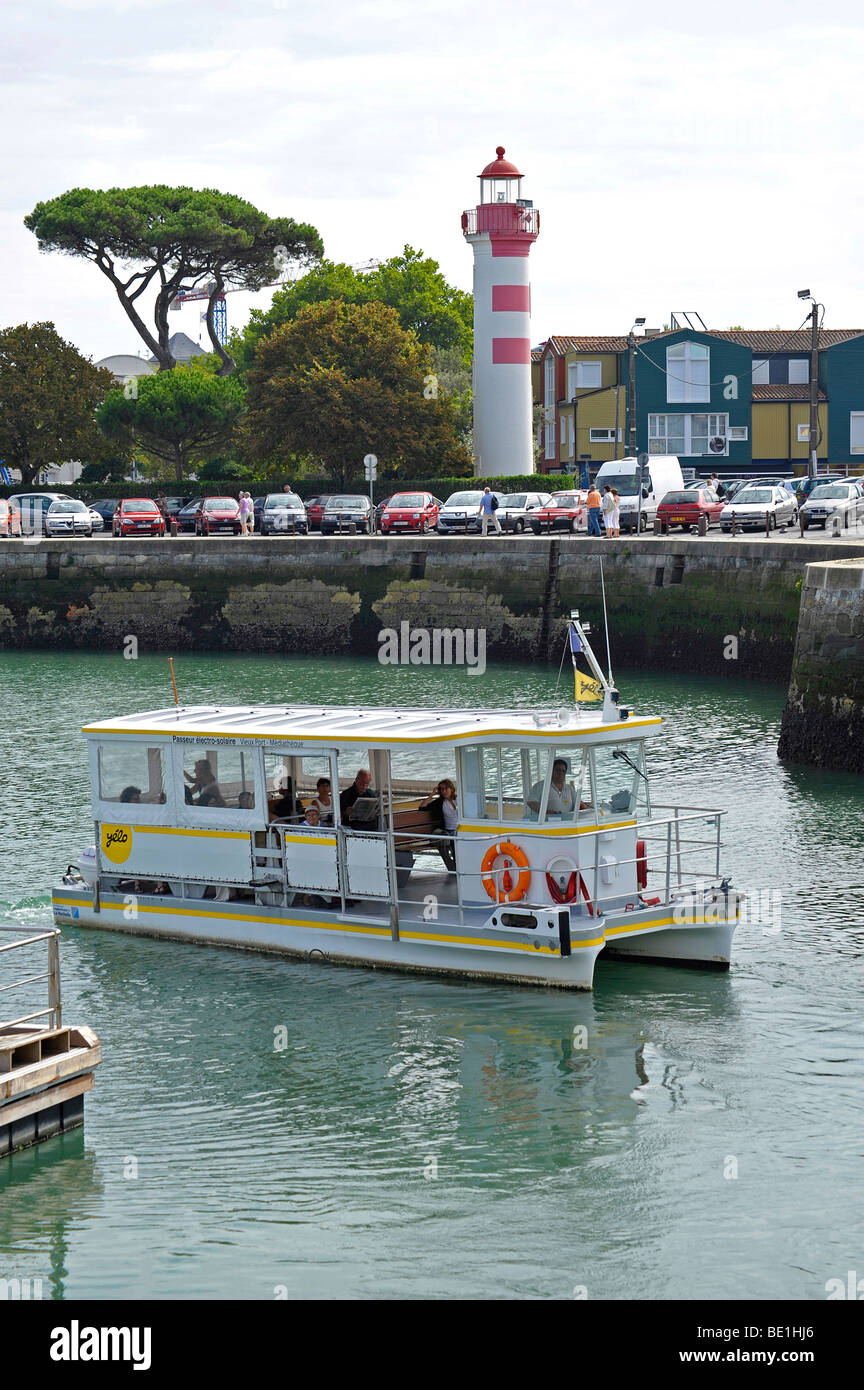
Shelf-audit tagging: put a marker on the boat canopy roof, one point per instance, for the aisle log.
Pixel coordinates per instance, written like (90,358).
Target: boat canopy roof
(369,725)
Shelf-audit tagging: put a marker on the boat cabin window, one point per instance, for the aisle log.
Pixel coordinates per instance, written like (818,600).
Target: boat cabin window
(620,779)
(219,778)
(131,772)
(295,783)
(500,783)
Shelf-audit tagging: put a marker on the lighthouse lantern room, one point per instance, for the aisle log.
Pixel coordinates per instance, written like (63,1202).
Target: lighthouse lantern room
(501,231)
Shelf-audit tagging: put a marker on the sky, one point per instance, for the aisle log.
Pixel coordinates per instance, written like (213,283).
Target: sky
(684,156)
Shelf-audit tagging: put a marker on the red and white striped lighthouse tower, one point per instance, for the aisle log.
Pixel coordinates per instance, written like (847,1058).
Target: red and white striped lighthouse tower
(501,230)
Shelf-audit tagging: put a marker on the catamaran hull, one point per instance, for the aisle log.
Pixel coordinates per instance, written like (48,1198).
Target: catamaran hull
(309,934)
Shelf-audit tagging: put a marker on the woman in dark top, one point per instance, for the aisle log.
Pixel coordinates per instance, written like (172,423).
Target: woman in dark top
(442,804)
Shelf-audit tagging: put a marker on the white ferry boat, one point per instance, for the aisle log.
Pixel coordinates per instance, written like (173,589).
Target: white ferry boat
(550,851)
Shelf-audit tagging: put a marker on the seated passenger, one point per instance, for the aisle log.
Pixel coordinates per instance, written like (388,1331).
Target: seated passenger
(205,784)
(323,800)
(562,798)
(287,808)
(312,817)
(130,794)
(359,787)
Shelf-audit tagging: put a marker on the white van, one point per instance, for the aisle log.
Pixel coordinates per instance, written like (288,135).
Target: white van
(663,474)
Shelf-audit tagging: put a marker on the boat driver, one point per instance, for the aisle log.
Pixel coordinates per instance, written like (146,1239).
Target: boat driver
(562,797)
(204,783)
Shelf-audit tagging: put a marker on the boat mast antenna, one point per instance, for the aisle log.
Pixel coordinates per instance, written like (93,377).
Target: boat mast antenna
(173,681)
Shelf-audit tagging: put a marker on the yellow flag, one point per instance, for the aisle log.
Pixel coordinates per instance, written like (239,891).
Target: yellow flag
(586,689)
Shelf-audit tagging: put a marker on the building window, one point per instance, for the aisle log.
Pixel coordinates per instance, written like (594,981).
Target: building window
(799,371)
(803,434)
(737,434)
(550,439)
(761,371)
(549,382)
(601,436)
(686,434)
(688,372)
(856,432)
(584,376)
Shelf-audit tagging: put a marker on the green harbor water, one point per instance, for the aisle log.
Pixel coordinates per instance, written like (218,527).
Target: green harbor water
(422,1138)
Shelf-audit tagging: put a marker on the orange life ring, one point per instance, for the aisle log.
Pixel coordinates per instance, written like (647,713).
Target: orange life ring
(507,893)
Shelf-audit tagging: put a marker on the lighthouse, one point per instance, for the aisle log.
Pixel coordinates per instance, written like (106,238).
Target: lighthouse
(501,230)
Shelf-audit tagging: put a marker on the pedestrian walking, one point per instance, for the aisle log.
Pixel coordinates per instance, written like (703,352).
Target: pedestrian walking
(594,503)
(247,515)
(487,509)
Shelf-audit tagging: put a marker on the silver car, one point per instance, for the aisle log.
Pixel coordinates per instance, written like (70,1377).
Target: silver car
(68,518)
(34,507)
(753,505)
(283,512)
(841,503)
(515,509)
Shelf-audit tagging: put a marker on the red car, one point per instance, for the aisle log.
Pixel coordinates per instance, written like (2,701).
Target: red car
(565,511)
(410,511)
(218,514)
(686,508)
(10,518)
(314,511)
(138,516)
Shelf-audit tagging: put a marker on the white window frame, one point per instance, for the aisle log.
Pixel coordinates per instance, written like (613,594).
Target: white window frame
(681,388)
(856,417)
(761,371)
(718,424)
(549,382)
(804,434)
(551,448)
(599,434)
(589,375)
(737,434)
(798,380)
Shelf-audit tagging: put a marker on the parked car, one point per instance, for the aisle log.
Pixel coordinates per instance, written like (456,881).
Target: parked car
(315,510)
(10,519)
(138,516)
(751,505)
(218,514)
(187,517)
(170,506)
(410,511)
(68,517)
(515,509)
(565,511)
(345,511)
(843,500)
(282,512)
(687,507)
(380,509)
(106,507)
(98,525)
(33,509)
(806,485)
(461,512)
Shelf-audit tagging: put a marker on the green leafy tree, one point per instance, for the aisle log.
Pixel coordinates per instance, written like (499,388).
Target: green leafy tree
(112,467)
(182,417)
(49,394)
(342,380)
(411,283)
(172,238)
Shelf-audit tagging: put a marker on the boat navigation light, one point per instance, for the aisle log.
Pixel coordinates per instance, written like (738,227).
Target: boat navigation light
(563,716)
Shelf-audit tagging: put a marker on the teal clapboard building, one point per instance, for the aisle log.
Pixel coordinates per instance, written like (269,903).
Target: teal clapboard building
(841,377)
(693,397)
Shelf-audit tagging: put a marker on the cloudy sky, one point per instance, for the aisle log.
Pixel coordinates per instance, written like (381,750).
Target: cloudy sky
(684,155)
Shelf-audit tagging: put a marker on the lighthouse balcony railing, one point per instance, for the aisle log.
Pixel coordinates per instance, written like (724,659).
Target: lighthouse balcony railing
(501,217)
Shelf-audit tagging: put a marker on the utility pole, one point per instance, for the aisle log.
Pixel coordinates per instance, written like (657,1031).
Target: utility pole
(813,456)
(631,393)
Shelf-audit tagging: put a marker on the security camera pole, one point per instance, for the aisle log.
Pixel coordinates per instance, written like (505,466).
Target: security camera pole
(813,456)
(631,394)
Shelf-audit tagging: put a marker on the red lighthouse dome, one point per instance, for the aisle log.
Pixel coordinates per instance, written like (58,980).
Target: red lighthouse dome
(500,168)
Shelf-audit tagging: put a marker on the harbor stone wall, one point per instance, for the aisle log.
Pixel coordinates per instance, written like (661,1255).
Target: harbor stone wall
(823,722)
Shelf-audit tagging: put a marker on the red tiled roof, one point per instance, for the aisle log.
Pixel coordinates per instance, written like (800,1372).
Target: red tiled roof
(798,391)
(562,343)
(784,339)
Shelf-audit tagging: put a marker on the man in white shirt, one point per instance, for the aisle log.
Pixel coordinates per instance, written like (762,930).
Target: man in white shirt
(562,798)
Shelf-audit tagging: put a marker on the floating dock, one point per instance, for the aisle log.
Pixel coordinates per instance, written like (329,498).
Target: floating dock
(46,1069)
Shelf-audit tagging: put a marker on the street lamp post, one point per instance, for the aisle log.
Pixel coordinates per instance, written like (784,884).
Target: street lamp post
(631,394)
(813,454)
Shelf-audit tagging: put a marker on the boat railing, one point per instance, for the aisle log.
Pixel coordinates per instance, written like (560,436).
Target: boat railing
(52,975)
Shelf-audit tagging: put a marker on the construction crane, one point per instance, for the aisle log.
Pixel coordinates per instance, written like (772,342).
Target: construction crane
(220,308)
